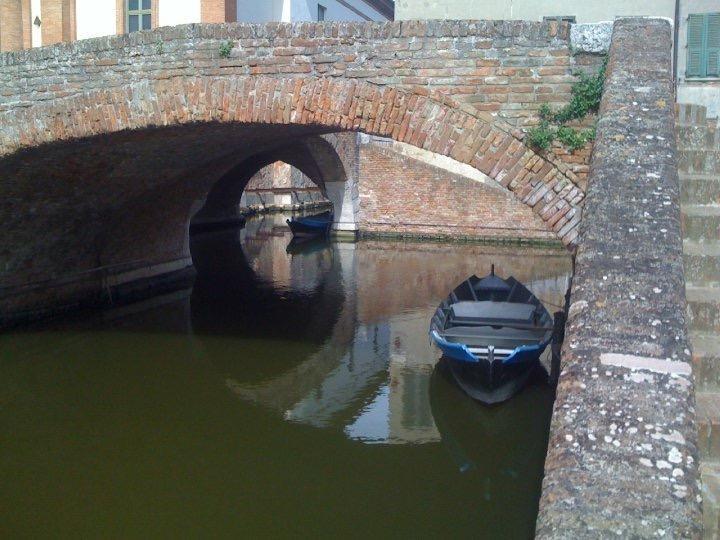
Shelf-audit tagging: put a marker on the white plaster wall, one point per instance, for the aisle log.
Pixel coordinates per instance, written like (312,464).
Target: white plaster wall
(532,10)
(707,95)
(179,12)
(36,32)
(258,11)
(95,18)
(304,10)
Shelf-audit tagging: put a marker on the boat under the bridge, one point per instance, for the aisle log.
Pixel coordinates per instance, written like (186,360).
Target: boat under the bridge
(309,226)
(491,332)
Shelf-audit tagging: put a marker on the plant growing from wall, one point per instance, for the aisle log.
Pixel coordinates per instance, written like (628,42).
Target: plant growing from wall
(159,46)
(586,95)
(225,49)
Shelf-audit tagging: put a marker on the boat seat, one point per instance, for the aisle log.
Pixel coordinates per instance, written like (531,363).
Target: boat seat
(491,313)
(499,337)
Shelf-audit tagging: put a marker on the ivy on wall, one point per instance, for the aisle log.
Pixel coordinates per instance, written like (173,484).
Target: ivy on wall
(586,94)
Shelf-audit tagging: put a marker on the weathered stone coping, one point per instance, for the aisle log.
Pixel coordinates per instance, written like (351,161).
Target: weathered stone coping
(622,456)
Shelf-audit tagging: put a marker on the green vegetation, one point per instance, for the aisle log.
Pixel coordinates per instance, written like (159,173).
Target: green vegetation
(541,136)
(573,138)
(225,49)
(586,94)
(159,46)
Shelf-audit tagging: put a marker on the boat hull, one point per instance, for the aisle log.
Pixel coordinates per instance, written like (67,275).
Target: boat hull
(309,226)
(301,229)
(486,381)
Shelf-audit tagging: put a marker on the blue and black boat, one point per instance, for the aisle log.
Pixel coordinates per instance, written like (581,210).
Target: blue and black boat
(492,332)
(314,225)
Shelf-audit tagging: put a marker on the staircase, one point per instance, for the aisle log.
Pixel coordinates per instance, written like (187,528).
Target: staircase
(699,166)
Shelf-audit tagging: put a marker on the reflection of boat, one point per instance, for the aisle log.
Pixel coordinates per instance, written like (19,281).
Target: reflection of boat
(217,225)
(492,331)
(499,450)
(307,244)
(314,225)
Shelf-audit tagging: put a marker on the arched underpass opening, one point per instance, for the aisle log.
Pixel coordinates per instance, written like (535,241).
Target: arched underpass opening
(316,162)
(281,187)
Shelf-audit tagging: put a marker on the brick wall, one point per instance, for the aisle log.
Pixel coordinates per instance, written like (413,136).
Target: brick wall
(279,175)
(11,27)
(58,21)
(402,195)
(505,67)
(216,11)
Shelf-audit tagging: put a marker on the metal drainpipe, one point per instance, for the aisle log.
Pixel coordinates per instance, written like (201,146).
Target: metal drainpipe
(676,44)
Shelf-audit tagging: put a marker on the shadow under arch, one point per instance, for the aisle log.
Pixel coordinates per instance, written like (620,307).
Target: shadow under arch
(231,298)
(314,156)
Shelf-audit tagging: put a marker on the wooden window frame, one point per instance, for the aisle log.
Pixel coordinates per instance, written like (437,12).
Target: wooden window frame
(139,12)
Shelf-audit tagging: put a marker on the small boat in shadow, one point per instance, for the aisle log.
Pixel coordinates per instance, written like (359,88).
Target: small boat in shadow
(314,225)
(491,332)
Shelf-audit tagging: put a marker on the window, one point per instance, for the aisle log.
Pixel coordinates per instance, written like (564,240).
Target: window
(139,15)
(561,18)
(321,12)
(703,45)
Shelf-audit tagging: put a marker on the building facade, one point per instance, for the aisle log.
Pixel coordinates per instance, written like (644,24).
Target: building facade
(34,23)
(697,34)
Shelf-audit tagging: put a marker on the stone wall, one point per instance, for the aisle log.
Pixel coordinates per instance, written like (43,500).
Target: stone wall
(622,455)
(504,67)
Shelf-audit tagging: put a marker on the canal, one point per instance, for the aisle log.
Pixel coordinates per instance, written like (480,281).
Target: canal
(290,392)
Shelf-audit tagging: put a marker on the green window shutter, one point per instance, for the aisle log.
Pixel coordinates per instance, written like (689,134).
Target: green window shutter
(713,45)
(695,46)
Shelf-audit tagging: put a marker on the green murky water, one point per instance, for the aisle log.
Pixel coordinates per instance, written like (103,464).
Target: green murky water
(284,395)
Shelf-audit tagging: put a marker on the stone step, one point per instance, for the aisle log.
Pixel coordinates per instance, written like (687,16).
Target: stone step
(708,417)
(700,188)
(702,262)
(699,161)
(691,114)
(698,138)
(706,360)
(701,221)
(703,308)
(710,475)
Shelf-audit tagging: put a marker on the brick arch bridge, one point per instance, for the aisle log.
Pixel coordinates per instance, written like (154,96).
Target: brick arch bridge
(107,144)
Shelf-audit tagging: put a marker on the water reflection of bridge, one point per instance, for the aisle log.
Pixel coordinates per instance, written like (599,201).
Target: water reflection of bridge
(370,377)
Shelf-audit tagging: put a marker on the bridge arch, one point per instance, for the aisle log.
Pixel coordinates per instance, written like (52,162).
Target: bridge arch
(314,156)
(128,163)
(315,106)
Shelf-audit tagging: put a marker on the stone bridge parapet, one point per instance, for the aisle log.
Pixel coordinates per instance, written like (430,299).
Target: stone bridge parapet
(505,67)
(622,455)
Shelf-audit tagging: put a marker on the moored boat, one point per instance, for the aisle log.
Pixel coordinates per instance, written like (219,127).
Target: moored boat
(314,225)
(491,332)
